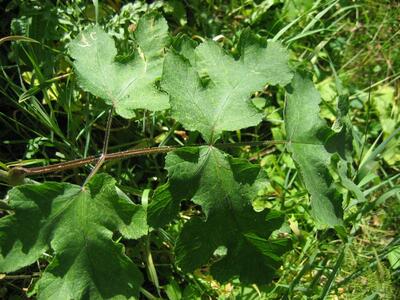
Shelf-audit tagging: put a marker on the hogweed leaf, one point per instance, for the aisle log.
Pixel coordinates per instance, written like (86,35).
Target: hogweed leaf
(78,225)
(307,134)
(126,86)
(211,91)
(224,187)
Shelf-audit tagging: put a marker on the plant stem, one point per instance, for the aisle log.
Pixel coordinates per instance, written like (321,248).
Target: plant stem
(108,130)
(72,164)
(21,276)
(105,147)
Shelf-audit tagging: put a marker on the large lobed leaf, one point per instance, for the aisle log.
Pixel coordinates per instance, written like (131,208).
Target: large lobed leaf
(210,91)
(78,224)
(244,233)
(308,137)
(224,187)
(126,86)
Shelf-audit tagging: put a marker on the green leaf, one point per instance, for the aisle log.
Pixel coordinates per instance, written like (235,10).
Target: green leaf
(163,207)
(211,92)
(394,257)
(126,86)
(307,133)
(224,187)
(250,255)
(342,170)
(78,225)
(211,177)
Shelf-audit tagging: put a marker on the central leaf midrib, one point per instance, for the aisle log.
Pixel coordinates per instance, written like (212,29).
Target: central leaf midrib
(61,211)
(123,90)
(220,109)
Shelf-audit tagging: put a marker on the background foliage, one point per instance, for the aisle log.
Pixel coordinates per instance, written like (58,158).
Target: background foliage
(351,47)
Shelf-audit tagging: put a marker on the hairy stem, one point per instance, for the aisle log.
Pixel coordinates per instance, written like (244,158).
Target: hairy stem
(72,164)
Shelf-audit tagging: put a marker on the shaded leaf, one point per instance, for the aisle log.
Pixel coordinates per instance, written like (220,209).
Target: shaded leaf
(224,187)
(163,208)
(250,254)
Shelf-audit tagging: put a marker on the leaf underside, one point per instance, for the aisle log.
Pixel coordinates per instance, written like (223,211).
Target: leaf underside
(307,134)
(126,86)
(210,91)
(78,225)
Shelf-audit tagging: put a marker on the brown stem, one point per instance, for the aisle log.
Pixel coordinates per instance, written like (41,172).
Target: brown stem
(72,164)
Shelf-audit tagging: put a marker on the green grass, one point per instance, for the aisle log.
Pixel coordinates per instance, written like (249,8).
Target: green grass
(353,50)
